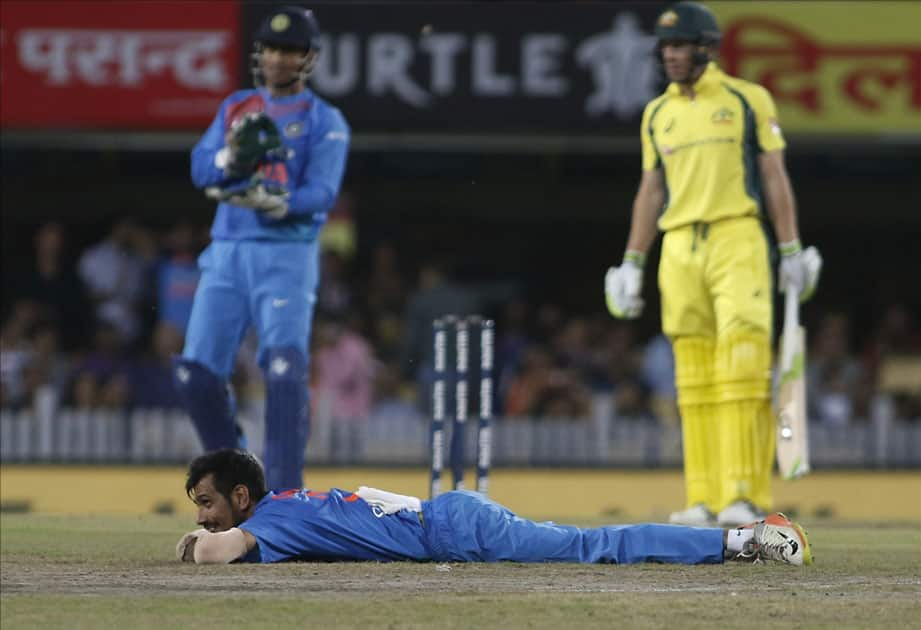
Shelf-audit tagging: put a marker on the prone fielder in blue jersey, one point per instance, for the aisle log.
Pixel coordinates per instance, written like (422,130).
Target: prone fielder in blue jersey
(241,521)
(274,158)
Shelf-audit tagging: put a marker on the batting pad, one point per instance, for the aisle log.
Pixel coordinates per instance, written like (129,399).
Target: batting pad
(287,416)
(694,362)
(743,410)
(206,399)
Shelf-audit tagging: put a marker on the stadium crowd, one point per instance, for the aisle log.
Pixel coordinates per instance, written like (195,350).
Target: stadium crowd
(98,328)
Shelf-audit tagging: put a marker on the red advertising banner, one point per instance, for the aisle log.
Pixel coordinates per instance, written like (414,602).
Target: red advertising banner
(122,65)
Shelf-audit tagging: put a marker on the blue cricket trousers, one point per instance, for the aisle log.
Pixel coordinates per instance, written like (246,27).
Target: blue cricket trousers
(271,284)
(464,526)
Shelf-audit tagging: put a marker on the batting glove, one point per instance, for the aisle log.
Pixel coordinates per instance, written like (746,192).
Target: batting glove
(623,286)
(799,269)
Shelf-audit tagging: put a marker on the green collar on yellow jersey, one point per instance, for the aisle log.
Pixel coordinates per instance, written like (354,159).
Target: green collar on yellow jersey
(709,81)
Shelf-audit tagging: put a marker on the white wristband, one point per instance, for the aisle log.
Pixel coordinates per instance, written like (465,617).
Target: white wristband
(790,248)
(220,547)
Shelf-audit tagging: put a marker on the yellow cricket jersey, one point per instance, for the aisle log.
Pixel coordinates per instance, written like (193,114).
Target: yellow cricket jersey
(708,147)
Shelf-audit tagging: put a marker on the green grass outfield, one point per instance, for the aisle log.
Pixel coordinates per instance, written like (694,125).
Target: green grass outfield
(94,549)
(63,571)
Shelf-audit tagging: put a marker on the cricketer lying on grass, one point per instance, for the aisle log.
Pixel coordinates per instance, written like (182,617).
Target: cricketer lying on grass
(240,520)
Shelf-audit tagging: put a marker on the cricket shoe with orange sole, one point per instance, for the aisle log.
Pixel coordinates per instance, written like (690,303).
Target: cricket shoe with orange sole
(777,538)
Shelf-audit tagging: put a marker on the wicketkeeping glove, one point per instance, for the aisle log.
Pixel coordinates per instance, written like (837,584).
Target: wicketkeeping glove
(265,197)
(623,286)
(253,138)
(799,269)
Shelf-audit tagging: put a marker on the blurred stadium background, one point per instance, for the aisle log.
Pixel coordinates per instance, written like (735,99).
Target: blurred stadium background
(494,159)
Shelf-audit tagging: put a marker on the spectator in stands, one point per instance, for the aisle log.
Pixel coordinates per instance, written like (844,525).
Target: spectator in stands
(16,353)
(892,360)
(385,289)
(526,386)
(177,276)
(623,352)
(545,389)
(436,295)
(343,382)
(334,293)
(571,348)
(145,243)
(340,232)
(631,400)
(102,378)
(392,402)
(548,322)
(55,288)
(897,334)
(512,342)
(115,273)
(47,367)
(564,395)
(657,373)
(384,299)
(151,375)
(834,375)
(343,370)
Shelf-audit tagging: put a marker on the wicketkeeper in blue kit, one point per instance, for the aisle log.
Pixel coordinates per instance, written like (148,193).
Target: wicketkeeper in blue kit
(274,158)
(241,521)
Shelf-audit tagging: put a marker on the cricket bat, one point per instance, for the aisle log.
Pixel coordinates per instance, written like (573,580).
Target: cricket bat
(792,429)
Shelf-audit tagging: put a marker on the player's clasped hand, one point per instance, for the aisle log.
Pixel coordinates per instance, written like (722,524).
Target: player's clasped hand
(185,548)
(271,203)
(622,288)
(799,269)
(268,199)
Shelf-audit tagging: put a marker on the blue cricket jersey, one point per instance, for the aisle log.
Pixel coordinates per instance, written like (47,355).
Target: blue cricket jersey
(334,525)
(459,526)
(317,137)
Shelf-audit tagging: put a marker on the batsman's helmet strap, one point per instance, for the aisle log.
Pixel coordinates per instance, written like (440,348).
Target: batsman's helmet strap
(688,21)
(292,27)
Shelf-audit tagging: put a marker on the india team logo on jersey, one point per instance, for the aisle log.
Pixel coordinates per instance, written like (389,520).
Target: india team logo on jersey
(293,129)
(722,116)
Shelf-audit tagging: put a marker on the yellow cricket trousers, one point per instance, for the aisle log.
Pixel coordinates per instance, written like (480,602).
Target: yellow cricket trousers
(715,282)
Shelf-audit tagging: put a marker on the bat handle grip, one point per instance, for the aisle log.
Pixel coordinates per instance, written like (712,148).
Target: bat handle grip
(790,325)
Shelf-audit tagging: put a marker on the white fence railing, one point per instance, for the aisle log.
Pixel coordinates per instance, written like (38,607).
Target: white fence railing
(159,436)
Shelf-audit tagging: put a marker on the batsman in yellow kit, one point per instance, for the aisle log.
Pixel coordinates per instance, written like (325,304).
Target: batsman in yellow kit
(713,171)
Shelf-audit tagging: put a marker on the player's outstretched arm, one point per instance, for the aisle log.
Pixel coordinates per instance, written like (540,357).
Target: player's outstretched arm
(623,285)
(650,197)
(206,168)
(799,268)
(204,547)
(778,194)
